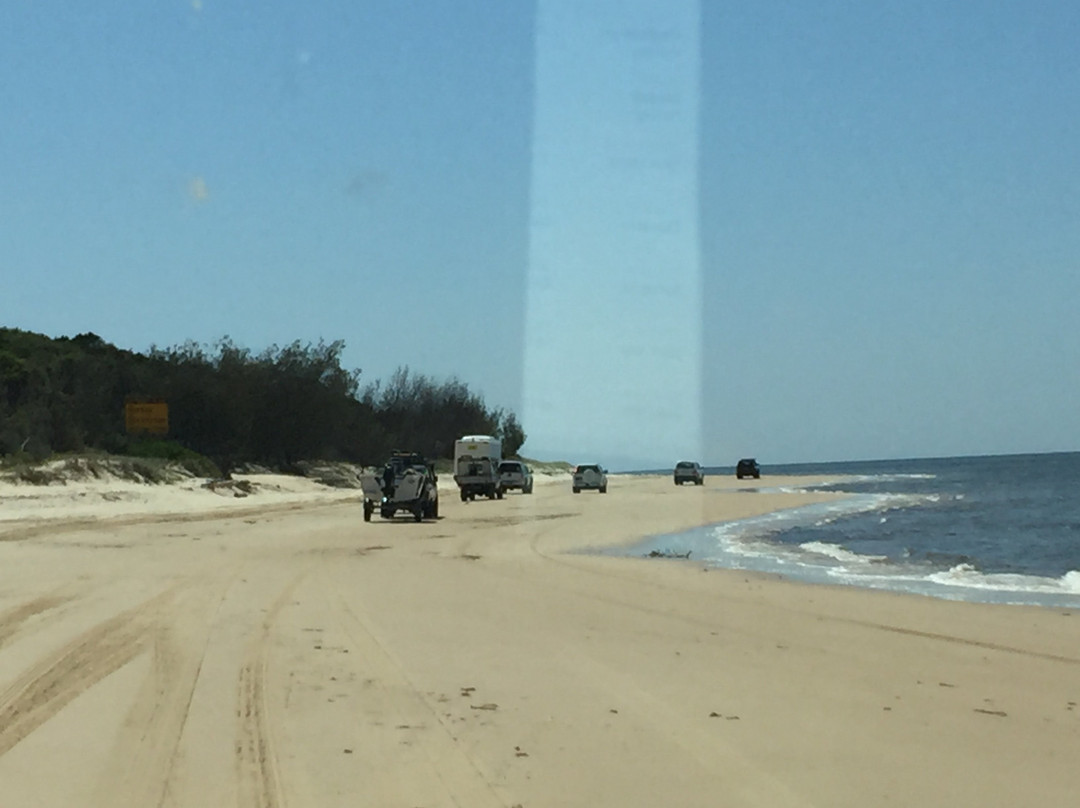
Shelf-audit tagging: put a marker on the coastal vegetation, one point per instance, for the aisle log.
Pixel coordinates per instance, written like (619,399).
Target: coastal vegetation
(227,404)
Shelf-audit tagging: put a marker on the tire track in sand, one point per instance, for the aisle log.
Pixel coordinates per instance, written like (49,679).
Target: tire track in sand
(446,772)
(12,620)
(258,777)
(142,760)
(46,688)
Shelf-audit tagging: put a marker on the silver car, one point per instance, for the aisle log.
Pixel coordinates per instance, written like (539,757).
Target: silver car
(590,476)
(514,474)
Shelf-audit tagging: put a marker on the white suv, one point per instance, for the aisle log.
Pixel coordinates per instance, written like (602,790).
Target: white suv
(513,474)
(590,476)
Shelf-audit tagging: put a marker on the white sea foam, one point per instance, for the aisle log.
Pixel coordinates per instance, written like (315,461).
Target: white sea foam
(782,489)
(967,576)
(768,543)
(751,544)
(742,537)
(1070,581)
(838,553)
(880,478)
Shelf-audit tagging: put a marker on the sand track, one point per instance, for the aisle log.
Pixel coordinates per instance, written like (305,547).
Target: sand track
(257,766)
(142,759)
(428,760)
(14,618)
(47,686)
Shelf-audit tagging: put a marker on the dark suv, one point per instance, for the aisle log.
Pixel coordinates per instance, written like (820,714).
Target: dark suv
(687,471)
(748,467)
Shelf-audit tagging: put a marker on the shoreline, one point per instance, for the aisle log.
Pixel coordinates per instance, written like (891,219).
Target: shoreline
(28,509)
(483,660)
(832,565)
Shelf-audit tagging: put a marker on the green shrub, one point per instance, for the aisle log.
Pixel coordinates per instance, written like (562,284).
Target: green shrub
(162,449)
(201,466)
(35,476)
(195,463)
(149,472)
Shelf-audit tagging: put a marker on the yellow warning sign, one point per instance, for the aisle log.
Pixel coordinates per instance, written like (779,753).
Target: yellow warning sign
(150,417)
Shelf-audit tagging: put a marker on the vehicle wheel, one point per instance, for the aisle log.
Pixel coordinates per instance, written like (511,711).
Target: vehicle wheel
(435,510)
(528,490)
(418,512)
(577,490)
(699,482)
(464,497)
(368,510)
(387,513)
(603,489)
(498,493)
(757,476)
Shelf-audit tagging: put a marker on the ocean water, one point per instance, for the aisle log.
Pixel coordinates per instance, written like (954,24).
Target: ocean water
(993,529)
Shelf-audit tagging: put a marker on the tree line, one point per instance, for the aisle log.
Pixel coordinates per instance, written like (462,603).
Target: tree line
(276,407)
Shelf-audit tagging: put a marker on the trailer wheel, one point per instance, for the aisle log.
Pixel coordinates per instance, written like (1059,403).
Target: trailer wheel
(464,497)
(369,508)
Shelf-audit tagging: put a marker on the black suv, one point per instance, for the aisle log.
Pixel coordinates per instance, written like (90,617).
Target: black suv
(748,467)
(687,471)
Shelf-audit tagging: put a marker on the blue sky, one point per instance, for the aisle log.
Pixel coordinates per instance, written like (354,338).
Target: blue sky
(886,244)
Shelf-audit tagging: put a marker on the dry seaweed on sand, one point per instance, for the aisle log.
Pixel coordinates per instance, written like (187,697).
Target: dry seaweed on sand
(666,554)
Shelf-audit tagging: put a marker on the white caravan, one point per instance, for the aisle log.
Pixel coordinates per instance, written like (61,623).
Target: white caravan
(476,466)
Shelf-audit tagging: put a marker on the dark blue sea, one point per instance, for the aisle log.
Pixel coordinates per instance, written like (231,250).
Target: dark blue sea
(1000,529)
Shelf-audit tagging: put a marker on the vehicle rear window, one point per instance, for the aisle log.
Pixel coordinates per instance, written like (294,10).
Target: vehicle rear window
(509,467)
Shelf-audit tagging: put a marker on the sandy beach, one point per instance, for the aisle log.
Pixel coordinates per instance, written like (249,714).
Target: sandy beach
(174,646)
